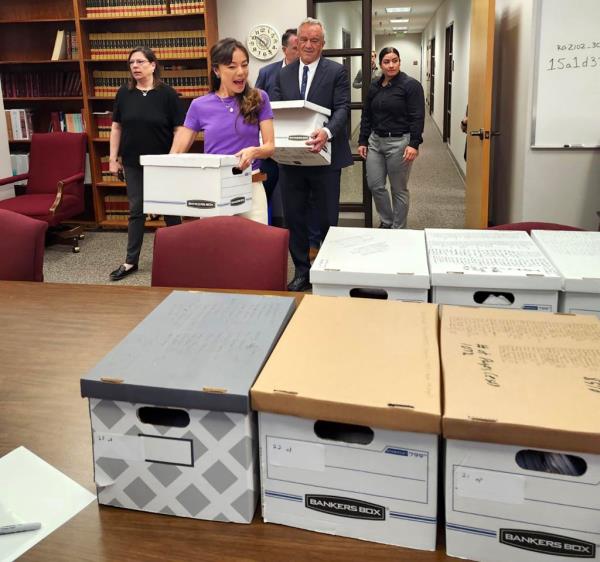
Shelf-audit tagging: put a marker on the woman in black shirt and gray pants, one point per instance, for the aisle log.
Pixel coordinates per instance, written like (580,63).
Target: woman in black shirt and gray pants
(391,131)
(145,116)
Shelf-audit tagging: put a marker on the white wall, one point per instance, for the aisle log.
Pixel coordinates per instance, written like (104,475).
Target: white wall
(236,17)
(560,186)
(409,47)
(457,12)
(5,166)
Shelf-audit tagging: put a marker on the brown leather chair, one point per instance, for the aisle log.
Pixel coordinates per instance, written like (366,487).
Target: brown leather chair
(21,247)
(54,191)
(221,252)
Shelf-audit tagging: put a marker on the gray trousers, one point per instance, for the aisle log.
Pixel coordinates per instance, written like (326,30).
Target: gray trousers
(134,177)
(385,159)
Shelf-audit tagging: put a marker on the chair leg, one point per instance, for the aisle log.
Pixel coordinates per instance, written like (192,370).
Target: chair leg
(70,236)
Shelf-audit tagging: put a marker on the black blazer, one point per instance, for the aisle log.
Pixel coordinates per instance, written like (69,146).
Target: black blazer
(329,88)
(267,77)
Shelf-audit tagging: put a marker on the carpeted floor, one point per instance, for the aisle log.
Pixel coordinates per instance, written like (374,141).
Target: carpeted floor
(437,201)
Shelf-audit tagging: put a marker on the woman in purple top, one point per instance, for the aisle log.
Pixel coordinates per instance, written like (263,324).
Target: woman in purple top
(231,116)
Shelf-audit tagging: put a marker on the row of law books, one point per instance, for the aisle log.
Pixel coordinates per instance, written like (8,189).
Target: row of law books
(188,83)
(165,44)
(40,84)
(18,124)
(116,207)
(137,8)
(105,171)
(65,46)
(66,122)
(103,123)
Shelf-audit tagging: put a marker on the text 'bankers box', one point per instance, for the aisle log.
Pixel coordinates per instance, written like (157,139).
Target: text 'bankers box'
(195,185)
(348,433)
(522,428)
(491,268)
(171,423)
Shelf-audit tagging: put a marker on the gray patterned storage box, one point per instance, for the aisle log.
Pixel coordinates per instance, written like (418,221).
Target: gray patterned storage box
(172,428)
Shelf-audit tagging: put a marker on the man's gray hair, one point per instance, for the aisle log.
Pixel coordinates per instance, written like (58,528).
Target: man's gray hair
(312,21)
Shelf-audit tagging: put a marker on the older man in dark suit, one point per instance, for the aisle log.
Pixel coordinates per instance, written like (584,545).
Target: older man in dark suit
(267,81)
(325,83)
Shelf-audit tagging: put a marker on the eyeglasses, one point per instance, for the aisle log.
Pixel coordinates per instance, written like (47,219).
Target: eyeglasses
(139,62)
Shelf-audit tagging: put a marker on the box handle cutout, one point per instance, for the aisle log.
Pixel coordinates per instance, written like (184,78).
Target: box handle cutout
(345,432)
(395,405)
(170,417)
(496,297)
(552,463)
(369,294)
(236,171)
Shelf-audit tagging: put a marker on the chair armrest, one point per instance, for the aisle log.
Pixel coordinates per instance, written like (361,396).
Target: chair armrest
(59,190)
(13,179)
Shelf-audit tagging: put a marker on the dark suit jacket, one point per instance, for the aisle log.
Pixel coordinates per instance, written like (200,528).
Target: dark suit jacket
(267,77)
(330,88)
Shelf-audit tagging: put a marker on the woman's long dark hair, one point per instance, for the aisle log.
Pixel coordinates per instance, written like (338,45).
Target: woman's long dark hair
(149,54)
(250,100)
(387,51)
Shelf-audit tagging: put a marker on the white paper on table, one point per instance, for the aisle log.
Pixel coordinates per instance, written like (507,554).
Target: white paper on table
(31,491)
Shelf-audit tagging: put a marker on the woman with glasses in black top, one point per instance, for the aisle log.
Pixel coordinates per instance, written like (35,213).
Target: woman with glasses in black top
(391,131)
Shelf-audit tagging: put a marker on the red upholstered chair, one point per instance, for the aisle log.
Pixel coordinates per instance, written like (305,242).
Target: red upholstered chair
(21,247)
(529,226)
(54,190)
(221,252)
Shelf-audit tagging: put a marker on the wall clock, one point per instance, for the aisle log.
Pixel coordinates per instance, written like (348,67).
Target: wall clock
(263,41)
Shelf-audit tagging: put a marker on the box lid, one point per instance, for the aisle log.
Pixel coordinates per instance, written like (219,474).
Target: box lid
(488,259)
(300,104)
(372,257)
(194,350)
(358,361)
(189,160)
(524,379)
(576,255)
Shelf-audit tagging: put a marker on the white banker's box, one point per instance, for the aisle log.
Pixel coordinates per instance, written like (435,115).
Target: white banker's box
(294,122)
(172,429)
(491,268)
(195,185)
(576,255)
(348,434)
(387,264)
(522,428)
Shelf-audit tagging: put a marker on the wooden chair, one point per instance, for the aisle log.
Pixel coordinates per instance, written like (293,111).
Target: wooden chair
(54,191)
(221,252)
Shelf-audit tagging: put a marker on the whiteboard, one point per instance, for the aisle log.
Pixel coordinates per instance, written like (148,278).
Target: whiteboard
(566,96)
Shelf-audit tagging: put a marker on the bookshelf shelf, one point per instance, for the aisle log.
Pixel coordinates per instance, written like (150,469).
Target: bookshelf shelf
(29,30)
(20,141)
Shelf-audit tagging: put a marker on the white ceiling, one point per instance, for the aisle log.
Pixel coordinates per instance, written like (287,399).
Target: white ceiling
(420,14)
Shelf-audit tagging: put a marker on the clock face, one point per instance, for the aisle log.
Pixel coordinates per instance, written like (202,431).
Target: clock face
(263,42)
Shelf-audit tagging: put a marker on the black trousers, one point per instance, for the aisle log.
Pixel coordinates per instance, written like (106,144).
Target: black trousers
(299,185)
(134,176)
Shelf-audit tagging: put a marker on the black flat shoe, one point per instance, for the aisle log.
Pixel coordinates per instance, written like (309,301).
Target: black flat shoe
(121,272)
(299,284)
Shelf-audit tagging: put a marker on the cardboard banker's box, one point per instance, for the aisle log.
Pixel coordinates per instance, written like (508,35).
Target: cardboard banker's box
(377,263)
(294,122)
(491,268)
(172,428)
(348,433)
(522,428)
(195,185)
(576,255)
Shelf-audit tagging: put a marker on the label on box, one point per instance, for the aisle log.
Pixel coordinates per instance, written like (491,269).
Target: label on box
(295,454)
(489,485)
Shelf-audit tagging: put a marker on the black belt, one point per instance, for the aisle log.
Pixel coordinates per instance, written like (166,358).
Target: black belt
(389,134)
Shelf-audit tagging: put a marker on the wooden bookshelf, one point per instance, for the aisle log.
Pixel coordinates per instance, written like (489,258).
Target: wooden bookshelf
(28,31)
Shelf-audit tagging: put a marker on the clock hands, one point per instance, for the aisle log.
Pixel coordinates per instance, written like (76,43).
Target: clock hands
(262,42)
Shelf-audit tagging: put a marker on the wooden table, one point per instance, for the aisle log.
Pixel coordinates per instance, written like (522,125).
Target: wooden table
(52,334)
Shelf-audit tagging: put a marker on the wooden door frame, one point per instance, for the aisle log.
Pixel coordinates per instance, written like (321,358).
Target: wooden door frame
(448,68)
(431,74)
(365,206)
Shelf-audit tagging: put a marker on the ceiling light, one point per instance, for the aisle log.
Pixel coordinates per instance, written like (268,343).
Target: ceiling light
(397,10)
(399,21)
(400,28)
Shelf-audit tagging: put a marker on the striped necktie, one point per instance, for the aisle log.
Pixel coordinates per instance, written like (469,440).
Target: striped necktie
(304,82)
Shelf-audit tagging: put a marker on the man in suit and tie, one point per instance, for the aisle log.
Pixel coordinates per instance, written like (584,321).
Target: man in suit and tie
(325,83)
(267,80)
